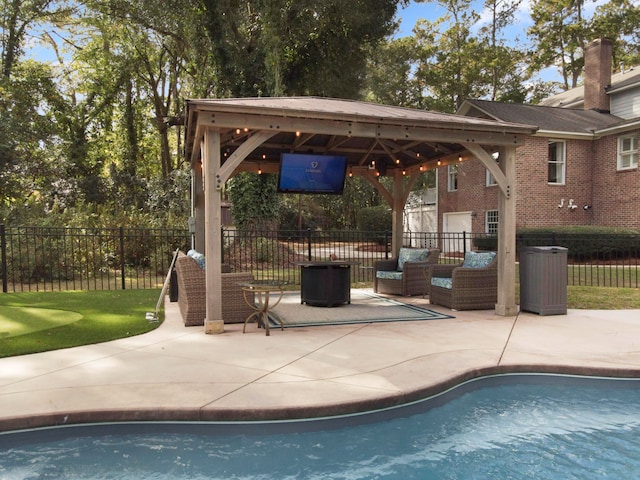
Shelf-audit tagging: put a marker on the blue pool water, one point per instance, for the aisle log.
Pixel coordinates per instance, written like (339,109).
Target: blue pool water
(506,427)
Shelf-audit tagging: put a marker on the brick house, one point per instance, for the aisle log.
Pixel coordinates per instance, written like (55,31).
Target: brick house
(580,168)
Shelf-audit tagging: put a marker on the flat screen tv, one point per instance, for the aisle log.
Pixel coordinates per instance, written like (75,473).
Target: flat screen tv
(307,173)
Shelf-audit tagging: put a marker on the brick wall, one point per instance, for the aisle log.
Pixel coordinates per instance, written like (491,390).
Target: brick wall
(616,193)
(591,179)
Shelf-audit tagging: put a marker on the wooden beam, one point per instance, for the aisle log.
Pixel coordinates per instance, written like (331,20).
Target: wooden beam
(489,162)
(236,158)
(362,129)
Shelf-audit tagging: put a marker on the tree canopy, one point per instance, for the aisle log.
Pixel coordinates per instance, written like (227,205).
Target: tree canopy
(92,93)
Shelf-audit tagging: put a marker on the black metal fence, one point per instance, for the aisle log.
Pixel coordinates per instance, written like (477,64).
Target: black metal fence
(52,258)
(56,258)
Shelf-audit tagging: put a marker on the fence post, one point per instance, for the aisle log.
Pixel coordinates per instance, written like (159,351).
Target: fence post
(386,245)
(221,243)
(464,242)
(122,276)
(3,248)
(309,244)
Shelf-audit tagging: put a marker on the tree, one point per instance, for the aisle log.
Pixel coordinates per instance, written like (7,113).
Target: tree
(17,17)
(389,78)
(618,20)
(254,203)
(559,35)
(27,134)
(451,62)
(507,72)
(302,47)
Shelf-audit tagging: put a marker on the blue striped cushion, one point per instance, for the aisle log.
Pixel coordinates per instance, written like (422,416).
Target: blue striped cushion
(198,257)
(389,275)
(442,282)
(478,259)
(411,255)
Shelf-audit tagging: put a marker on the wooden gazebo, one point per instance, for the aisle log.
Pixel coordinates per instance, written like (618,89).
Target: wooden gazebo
(226,136)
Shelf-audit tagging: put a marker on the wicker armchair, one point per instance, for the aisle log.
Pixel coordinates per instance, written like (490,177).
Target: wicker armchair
(412,278)
(192,293)
(461,287)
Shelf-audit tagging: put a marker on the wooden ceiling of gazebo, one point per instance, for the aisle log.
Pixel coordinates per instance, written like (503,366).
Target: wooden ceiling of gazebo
(372,136)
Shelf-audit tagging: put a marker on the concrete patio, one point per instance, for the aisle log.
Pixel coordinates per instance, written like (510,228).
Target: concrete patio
(179,373)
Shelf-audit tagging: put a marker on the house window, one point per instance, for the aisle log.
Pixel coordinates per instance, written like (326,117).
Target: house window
(452,176)
(490,181)
(627,152)
(557,163)
(491,221)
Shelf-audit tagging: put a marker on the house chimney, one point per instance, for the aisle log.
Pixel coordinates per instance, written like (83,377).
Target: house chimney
(597,74)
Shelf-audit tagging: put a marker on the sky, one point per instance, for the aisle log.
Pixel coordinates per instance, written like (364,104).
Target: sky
(432,11)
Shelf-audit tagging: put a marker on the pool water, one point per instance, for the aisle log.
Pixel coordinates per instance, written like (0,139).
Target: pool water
(507,427)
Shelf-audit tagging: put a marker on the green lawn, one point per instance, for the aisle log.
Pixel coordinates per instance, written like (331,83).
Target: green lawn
(39,321)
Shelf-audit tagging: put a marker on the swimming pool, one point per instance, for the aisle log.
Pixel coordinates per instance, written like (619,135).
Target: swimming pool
(509,426)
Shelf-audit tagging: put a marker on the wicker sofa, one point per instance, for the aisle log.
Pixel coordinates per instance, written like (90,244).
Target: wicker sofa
(471,285)
(406,275)
(192,293)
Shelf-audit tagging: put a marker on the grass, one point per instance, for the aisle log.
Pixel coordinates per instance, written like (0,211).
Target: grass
(603,298)
(40,321)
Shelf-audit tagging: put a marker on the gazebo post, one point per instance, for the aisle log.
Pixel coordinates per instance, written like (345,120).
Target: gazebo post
(196,224)
(397,209)
(213,322)
(507,237)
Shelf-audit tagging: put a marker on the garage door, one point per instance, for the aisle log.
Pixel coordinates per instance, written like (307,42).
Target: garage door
(453,225)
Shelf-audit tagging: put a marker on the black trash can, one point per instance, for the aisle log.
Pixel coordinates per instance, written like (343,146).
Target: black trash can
(543,280)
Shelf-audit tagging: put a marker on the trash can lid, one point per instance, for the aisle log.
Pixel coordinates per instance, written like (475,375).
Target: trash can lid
(549,248)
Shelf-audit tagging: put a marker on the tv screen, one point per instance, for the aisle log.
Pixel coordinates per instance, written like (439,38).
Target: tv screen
(305,173)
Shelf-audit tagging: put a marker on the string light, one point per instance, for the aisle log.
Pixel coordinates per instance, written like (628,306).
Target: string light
(439,163)
(259,169)
(459,158)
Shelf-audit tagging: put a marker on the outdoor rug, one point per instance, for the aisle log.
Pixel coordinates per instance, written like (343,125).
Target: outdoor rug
(365,307)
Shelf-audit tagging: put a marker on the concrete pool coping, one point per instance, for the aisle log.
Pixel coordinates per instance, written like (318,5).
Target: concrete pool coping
(178,373)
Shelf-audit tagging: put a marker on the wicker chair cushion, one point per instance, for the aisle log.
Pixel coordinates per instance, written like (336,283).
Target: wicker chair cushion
(442,282)
(198,257)
(478,259)
(411,255)
(389,274)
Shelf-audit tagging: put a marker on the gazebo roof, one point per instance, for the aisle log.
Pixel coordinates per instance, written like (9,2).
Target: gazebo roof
(366,133)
